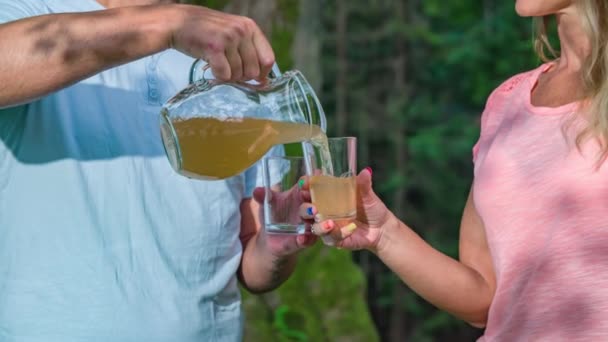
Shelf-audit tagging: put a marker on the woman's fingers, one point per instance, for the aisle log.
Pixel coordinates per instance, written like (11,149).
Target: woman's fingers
(330,233)
(328,230)
(323,227)
(343,232)
(304,189)
(304,183)
(307,211)
(305,196)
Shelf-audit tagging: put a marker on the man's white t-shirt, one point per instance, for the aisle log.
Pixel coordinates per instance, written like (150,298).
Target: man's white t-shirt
(100,239)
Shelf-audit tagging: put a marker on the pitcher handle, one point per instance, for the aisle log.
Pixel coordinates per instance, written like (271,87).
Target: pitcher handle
(197,73)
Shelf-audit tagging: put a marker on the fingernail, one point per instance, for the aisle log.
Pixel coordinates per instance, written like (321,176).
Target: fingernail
(350,227)
(329,225)
(309,211)
(300,183)
(369,169)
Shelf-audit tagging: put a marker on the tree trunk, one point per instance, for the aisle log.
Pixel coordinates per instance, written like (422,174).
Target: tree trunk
(342,59)
(306,48)
(261,11)
(397,325)
(488,16)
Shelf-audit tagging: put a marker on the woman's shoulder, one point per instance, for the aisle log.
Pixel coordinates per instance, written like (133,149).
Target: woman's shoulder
(505,98)
(514,85)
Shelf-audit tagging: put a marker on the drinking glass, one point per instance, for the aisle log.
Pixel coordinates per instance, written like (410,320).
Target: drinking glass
(282,200)
(333,185)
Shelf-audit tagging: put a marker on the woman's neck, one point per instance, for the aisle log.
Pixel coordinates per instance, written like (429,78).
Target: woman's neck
(575,45)
(563,83)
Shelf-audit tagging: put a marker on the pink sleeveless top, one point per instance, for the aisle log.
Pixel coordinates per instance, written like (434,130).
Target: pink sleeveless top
(545,210)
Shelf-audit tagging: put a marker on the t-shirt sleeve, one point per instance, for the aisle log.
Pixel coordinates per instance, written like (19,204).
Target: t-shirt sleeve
(11,10)
(496,107)
(254,175)
(484,118)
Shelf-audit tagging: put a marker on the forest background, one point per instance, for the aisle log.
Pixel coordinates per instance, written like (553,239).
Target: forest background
(409,79)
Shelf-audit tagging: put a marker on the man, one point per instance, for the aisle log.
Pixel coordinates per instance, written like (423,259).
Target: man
(100,240)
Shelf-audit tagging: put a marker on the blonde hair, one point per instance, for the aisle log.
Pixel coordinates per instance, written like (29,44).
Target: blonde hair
(594,17)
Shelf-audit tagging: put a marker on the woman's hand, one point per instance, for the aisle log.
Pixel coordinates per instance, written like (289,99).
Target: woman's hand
(365,232)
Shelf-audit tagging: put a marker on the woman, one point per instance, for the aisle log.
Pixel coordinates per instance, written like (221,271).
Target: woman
(533,261)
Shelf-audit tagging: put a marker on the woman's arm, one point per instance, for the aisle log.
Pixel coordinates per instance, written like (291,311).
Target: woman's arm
(464,288)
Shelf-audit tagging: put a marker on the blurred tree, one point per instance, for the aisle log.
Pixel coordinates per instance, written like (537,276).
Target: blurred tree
(418,73)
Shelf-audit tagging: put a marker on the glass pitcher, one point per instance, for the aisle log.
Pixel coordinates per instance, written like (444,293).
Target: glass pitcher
(214,130)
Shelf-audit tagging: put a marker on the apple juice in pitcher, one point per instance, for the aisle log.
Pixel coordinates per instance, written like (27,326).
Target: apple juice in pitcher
(215,130)
(232,145)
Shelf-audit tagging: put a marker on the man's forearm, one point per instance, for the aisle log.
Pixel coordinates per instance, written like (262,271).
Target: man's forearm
(42,54)
(261,271)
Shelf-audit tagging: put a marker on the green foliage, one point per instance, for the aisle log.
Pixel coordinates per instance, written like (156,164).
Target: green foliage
(284,319)
(283,38)
(322,301)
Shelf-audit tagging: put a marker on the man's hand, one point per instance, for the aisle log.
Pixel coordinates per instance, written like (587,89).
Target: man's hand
(281,245)
(269,259)
(234,46)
